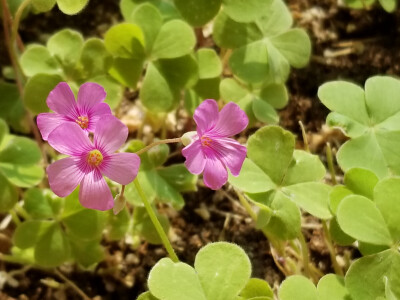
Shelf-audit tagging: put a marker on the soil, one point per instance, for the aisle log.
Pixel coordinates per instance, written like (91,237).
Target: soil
(347,44)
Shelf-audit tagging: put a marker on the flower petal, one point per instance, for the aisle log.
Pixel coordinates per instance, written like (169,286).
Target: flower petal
(62,100)
(90,94)
(94,192)
(215,173)
(96,113)
(70,139)
(121,167)
(206,116)
(231,153)
(47,122)
(232,120)
(110,134)
(195,158)
(64,176)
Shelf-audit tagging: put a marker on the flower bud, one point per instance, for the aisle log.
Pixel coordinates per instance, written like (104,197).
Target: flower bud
(187,138)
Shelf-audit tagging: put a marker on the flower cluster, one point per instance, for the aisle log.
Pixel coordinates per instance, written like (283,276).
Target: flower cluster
(209,150)
(67,130)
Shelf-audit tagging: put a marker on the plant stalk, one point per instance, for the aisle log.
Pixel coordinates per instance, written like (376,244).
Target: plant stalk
(331,248)
(156,143)
(156,223)
(329,159)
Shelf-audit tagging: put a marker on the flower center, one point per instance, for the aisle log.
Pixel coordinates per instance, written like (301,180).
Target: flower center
(94,158)
(206,141)
(83,121)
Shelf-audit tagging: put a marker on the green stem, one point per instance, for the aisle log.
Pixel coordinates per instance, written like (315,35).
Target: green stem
(331,248)
(305,140)
(72,285)
(329,159)
(156,223)
(304,252)
(20,210)
(156,143)
(14,217)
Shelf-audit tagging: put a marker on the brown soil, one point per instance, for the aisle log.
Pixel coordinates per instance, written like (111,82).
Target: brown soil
(347,44)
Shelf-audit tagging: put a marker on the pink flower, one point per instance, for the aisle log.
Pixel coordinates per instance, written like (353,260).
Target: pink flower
(86,112)
(90,161)
(211,151)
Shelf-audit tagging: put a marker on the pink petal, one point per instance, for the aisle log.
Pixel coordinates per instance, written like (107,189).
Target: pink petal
(47,122)
(70,139)
(195,159)
(90,94)
(215,173)
(232,120)
(231,153)
(62,100)
(110,134)
(121,167)
(96,113)
(206,116)
(94,192)
(64,176)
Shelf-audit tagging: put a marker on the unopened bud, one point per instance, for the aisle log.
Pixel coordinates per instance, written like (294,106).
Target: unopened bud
(119,204)
(187,138)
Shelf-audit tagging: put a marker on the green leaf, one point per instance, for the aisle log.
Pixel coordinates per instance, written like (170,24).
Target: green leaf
(29,232)
(256,288)
(11,108)
(43,5)
(340,238)
(95,59)
(156,94)
(22,175)
(245,11)
(276,19)
(331,287)
(37,59)
(275,94)
(336,195)
(387,199)
(272,157)
(66,46)
(174,281)
(223,269)
(113,89)
(127,71)
(146,296)
(3,130)
(388,5)
(179,178)
(368,249)
(175,39)
(366,277)
(313,197)
(53,248)
(143,225)
(8,195)
(250,62)
(252,179)
(210,65)
(87,253)
(71,7)
(20,151)
(361,181)
(198,12)
(141,16)
(369,227)
(207,88)
(86,224)
(297,287)
(37,204)
(118,225)
(36,91)
(304,167)
(125,41)
(295,46)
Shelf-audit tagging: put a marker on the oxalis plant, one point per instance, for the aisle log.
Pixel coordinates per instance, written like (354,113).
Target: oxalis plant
(86,180)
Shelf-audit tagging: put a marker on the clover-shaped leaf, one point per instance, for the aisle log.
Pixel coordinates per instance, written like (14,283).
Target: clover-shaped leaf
(332,287)
(291,286)
(264,48)
(221,271)
(370,119)
(165,7)
(257,289)
(69,7)
(279,172)
(369,277)
(388,5)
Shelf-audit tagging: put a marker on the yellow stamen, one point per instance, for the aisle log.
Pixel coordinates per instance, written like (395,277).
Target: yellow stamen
(206,141)
(83,121)
(95,158)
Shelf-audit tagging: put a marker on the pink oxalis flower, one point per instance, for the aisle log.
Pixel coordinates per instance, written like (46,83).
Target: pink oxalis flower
(90,161)
(85,112)
(211,150)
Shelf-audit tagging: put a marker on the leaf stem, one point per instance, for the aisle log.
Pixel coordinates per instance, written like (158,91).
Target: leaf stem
(156,223)
(304,252)
(329,159)
(331,248)
(156,143)
(305,140)
(72,285)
